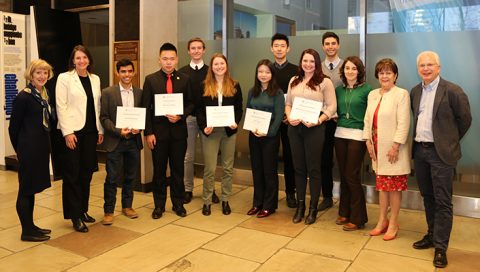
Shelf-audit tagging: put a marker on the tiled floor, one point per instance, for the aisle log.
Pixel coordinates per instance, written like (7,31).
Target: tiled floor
(216,243)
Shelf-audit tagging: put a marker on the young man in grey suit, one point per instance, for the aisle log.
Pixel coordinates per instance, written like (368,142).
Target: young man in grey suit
(123,145)
(441,114)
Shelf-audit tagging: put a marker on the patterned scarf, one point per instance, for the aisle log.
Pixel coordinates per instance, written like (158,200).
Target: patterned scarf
(42,98)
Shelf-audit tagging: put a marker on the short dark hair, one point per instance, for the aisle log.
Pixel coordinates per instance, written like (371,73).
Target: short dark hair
(360,69)
(81,48)
(272,88)
(280,36)
(168,47)
(123,63)
(386,65)
(330,34)
(196,39)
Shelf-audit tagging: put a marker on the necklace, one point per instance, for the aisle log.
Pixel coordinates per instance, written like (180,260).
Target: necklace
(348,92)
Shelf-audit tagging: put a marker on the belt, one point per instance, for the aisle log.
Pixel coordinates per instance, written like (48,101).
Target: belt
(426,144)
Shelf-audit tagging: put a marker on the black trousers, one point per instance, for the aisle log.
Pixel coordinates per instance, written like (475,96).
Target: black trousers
(327,158)
(24,206)
(350,155)
(263,157)
(306,144)
(78,168)
(172,152)
(288,169)
(435,180)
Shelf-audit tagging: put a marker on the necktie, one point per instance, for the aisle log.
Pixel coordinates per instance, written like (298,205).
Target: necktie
(196,67)
(331,66)
(169,84)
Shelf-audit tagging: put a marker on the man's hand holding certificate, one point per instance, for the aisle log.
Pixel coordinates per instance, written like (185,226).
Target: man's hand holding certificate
(306,110)
(168,104)
(257,121)
(130,117)
(220,116)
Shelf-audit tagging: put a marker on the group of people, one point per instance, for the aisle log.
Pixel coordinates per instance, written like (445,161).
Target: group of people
(354,119)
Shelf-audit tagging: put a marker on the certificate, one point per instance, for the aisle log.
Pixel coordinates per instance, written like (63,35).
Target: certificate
(257,120)
(306,110)
(130,117)
(220,116)
(168,104)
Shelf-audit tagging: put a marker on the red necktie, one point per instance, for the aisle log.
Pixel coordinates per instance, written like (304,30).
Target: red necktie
(169,84)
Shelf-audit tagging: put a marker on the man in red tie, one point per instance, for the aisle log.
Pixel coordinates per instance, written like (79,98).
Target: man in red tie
(166,134)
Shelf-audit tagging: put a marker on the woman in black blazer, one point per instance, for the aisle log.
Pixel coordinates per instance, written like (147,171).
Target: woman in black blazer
(219,90)
(29,133)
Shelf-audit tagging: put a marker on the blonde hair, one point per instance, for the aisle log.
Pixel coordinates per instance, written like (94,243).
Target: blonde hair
(38,64)
(228,84)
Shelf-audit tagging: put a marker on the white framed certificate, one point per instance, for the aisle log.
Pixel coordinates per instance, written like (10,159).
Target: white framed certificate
(169,104)
(306,110)
(257,120)
(220,116)
(130,117)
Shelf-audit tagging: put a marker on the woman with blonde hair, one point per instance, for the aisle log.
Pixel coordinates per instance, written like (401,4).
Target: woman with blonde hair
(30,136)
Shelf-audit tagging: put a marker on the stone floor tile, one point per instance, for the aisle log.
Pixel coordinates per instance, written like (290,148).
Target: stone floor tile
(278,223)
(144,223)
(369,260)
(461,261)
(402,245)
(9,217)
(217,222)
(4,252)
(465,234)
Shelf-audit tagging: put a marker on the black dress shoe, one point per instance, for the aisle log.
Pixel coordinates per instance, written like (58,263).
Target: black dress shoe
(312,216)
(35,237)
(206,210)
(291,201)
(188,197)
(265,213)
(253,210)
(226,208)
(157,213)
(325,204)
(179,210)
(79,225)
(440,259)
(87,218)
(215,198)
(425,243)
(300,212)
(42,231)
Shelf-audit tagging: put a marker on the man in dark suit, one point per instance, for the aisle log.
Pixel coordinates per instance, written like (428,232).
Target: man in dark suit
(166,135)
(123,145)
(441,118)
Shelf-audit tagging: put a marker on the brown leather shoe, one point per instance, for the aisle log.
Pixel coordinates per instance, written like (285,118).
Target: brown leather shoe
(341,220)
(107,219)
(130,213)
(352,227)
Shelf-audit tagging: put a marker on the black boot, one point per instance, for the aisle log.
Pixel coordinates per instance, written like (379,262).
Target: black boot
(291,201)
(300,212)
(312,213)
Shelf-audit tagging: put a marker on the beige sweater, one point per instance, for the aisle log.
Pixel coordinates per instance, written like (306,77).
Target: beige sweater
(393,125)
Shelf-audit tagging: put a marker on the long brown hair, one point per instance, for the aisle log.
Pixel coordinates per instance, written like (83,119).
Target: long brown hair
(228,84)
(272,88)
(318,75)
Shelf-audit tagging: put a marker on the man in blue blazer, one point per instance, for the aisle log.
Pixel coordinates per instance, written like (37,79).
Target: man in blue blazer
(123,145)
(166,135)
(442,116)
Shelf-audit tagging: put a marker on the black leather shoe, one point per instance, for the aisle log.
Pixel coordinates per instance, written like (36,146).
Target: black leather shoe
(312,216)
(440,259)
(226,208)
(42,231)
(79,225)
(425,243)
(253,210)
(215,198)
(326,203)
(87,218)
(291,201)
(300,212)
(179,210)
(265,213)
(188,197)
(37,237)
(206,210)
(157,213)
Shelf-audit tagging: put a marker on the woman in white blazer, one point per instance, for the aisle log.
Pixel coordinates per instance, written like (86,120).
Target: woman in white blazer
(78,109)
(386,126)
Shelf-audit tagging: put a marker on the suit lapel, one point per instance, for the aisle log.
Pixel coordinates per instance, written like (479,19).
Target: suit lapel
(118,96)
(417,95)
(441,90)
(137,97)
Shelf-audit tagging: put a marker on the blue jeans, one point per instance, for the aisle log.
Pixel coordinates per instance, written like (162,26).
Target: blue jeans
(123,163)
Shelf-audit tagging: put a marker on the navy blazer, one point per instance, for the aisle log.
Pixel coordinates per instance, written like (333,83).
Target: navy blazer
(451,119)
(159,125)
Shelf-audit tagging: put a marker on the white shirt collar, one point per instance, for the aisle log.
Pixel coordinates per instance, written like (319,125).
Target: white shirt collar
(199,65)
(123,89)
(335,62)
